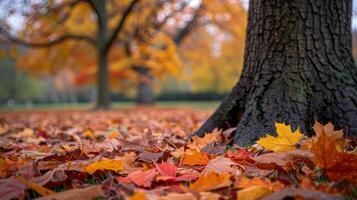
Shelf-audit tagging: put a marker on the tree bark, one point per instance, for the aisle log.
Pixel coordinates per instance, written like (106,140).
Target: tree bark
(298,68)
(145,93)
(103,98)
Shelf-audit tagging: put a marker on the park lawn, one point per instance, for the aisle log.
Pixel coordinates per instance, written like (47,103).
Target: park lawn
(197,105)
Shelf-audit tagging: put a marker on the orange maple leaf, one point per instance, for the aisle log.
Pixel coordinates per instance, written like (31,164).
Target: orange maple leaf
(328,155)
(193,158)
(211,181)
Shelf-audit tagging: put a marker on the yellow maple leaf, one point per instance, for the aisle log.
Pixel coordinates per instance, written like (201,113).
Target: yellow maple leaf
(284,141)
(113,165)
(211,181)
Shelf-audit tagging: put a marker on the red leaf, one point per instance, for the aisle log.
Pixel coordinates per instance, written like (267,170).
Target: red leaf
(166,169)
(142,178)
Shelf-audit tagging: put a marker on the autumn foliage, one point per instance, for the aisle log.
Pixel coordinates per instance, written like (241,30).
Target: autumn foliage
(78,155)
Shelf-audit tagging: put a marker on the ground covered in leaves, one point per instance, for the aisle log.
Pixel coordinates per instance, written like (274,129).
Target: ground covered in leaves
(142,153)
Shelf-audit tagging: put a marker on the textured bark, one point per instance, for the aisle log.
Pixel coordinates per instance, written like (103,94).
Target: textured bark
(298,68)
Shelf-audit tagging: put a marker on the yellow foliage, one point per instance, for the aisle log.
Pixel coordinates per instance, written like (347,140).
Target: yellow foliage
(113,165)
(286,139)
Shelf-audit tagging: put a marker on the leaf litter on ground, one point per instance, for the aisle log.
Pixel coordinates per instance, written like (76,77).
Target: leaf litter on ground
(142,153)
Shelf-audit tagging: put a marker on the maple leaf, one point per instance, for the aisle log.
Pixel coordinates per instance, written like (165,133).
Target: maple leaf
(143,178)
(253,193)
(285,140)
(244,182)
(328,157)
(193,158)
(221,164)
(113,165)
(197,143)
(168,173)
(211,181)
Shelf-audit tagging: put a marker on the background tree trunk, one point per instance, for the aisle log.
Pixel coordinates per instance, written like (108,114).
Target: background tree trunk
(145,93)
(103,98)
(298,68)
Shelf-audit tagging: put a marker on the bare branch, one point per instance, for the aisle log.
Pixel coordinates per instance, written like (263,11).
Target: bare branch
(48,43)
(120,25)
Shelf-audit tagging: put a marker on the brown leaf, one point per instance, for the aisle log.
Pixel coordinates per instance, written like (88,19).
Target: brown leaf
(328,156)
(78,194)
(222,164)
(306,194)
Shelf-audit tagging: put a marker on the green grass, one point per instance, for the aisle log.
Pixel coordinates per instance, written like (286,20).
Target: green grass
(200,105)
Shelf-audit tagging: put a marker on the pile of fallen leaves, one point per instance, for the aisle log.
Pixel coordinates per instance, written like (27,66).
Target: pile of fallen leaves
(143,154)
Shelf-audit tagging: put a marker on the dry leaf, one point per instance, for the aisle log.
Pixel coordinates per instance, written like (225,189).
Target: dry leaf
(252,193)
(206,182)
(304,193)
(143,178)
(327,156)
(113,165)
(282,158)
(222,164)
(190,196)
(77,194)
(285,140)
(193,158)
(197,143)
(244,182)
(138,196)
(36,187)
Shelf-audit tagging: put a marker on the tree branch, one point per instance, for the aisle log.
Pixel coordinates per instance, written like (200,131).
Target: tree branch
(120,25)
(48,43)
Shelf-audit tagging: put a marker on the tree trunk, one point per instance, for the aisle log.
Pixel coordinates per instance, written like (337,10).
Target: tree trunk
(103,98)
(145,93)
(298,68)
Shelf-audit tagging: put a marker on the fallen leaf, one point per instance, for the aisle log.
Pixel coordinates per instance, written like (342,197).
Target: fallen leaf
(197,143)
(138,196)
(244,182)
(11,188)
(143,178)
(285,140)
(113,165)
(36,187)
(211,181)
(252,193)
(306,194)
(195,158)
(327,156)
(78,194)
(222,164)
(166,169)
(282,158)
(190,196)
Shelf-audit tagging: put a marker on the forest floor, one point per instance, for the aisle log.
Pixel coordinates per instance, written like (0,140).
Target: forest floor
(143,153)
